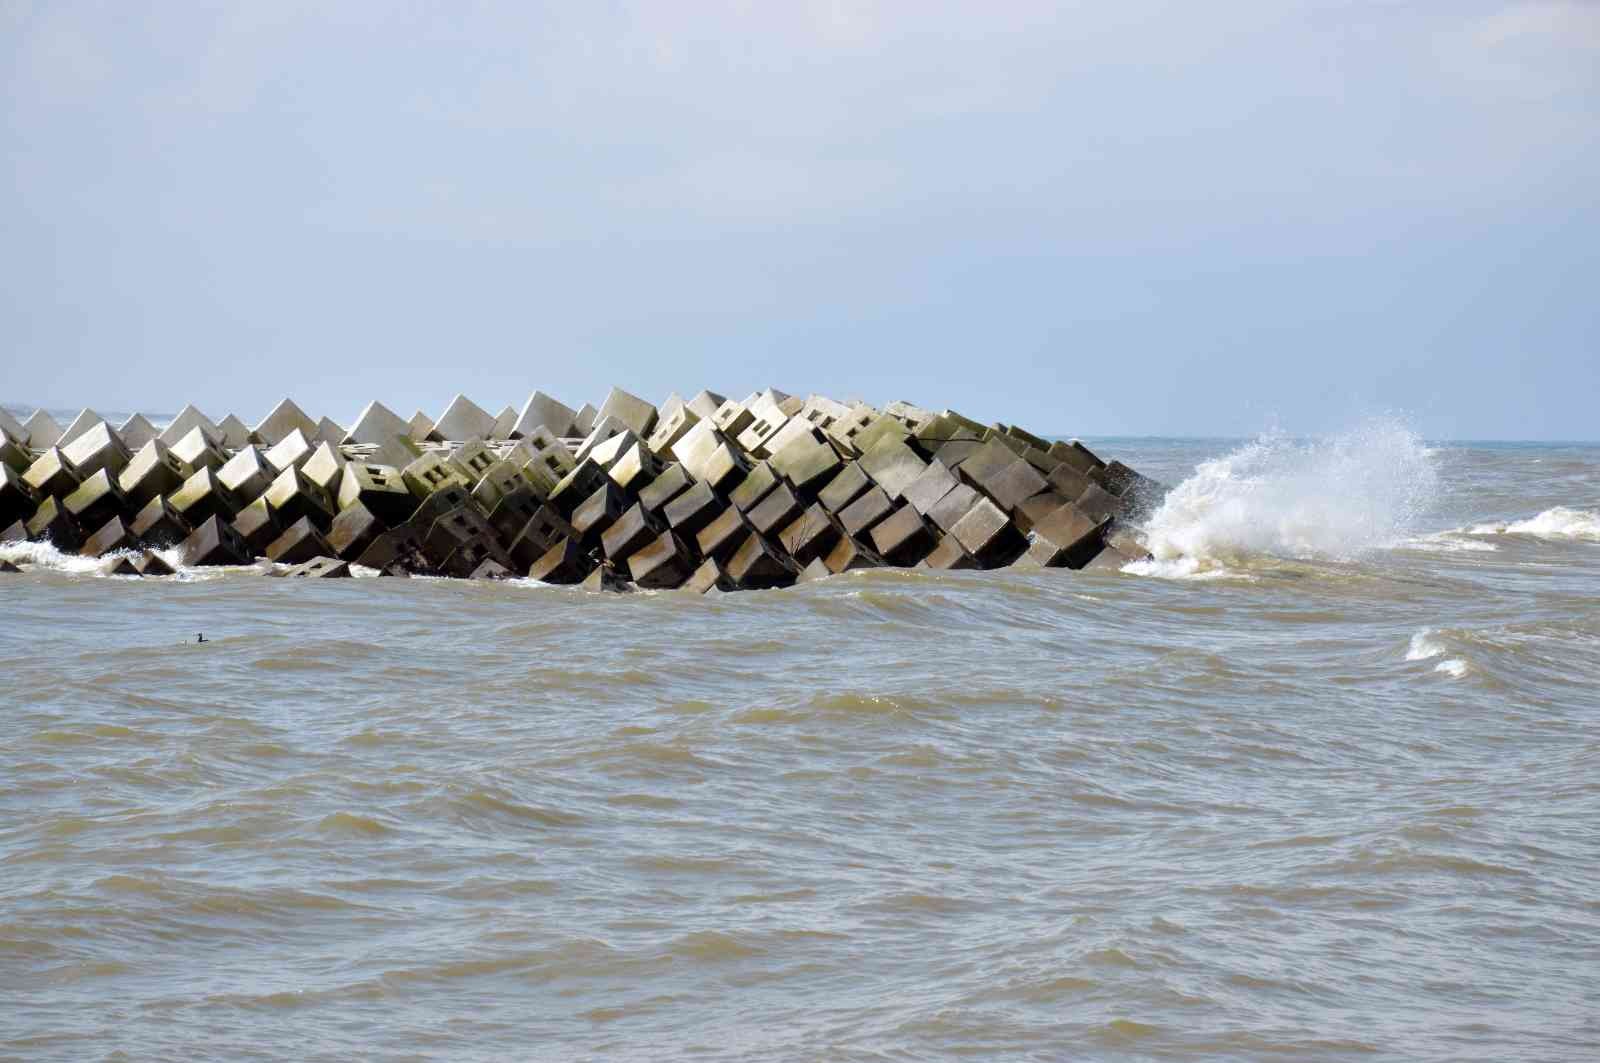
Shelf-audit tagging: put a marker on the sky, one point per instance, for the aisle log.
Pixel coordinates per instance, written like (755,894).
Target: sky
(1092,218)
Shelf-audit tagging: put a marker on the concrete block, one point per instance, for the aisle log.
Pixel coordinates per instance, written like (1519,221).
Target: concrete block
(988,460)
(377,424)
(584,421)
(631,410)
(1035,509)
(213,542)
(947,427)
(329,431)
(670,430)
(514,503)
(14,454)
(694,447)
(998,436)
(490,569)
(353,531)
(136,431)
(670,406)
(96,501)
(124,566)
(187,420)
(986,532)
(597,513)
(815,570)
(538,534)
(85,420)
(1066,538)
(52,524)
(234,432)
(42,430)
(7,567)
(420,428)
(1126,540)
(582,482)
(300,541)
(893,466)
(1014,485)
(1028,438)
(858,518)
(398,451)
(822,412)
(152,471)
(662,564)
(15,532)
(806,462)
(1040,460)
(847,485)
(949,556)
(774,511)
(475,458)
(708,577)
(760,480)
(933,483)
(431,472)
(51,475)
(202,497)
(398,549)
(882,427)
(673,481)
(795,428)
(636,468)
(285,418)
(704,405)
(811,536)
(1140,492)
(563,563)
(1077,455)
(379,488)
(753,440)
(953,506)
(151,564)
(630,532)
(847,428)
(505,424)
(325,468)
(1068,481)
(606,578)
(732,418)
(606,428)
(902,538)
(195,452)
(911,415)
(258,525)
(464,419)
(291,452)
(543,458)
(609,450)
(474,543)
(1098,503)
(757,566)
(95,449)
(721,539)
(542,411)
(956,451)
(295,498)
(112,535)
(247,473)
(320,568)
(725,470)
(18,499)
(10,426)
(159,525)
(693,510)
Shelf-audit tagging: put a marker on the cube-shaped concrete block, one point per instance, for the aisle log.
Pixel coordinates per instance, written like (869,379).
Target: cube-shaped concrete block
(542,411)
(902,538)
(672,481)
(98,448)
(987,533)
(213,542)
(195,451)
(158,525)
(291,452)
(96,501)
(807,463)
(300,541)
(377,424)
(725,470)
(431,472)
(353,530)
(1099,504)
(693,510)
(595,515)
(670,431)
(538,534)
(320,568)
(1035,509)
(893,466)
(859,517)
(662,564)
(630,532)
(563,563)
(631,410)
(721,538)
(949,555)
(295,498)
(111,536)
(18,499)
(1067,538)
(325,468)
(14,454)
(708,577)
(847,485)
(150,564)
(776,510)
(505,423)
(606,429)
(202,497)
(247,473)
(80,424)
(753,440)
(847,428)
(756,565)
(11,427)
(464,419)
(705,404)
(398,549)
(732,418)
(584,421)
(42,430)
(1077,455)
(284,419)
(51,475)
(511,513)
(636,468)
(811,536)
(760,480)
(258,526)
(933,483)
(1068,481)
(475,458)
(233,433)
(956,451)
(379,488)
(152,471)
(51,523)
(582,482)
(953,506)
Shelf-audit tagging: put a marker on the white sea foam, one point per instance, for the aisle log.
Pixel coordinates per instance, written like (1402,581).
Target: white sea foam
(46,556)
(1558,524)
(1424,645)
(1337,499)
(1455,667)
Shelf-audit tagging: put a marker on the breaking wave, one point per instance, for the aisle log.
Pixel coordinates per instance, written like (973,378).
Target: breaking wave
(1338,499)
(40,555)
(1557,524)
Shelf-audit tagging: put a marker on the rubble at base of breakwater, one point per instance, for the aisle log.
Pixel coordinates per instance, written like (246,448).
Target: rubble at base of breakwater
(705,493)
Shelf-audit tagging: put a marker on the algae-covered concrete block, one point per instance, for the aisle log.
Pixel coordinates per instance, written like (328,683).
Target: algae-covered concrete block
(766,425)
(756,565)
(203,496)
(721,538)
(51,475)
(816,569)
(1066,538)
(581,483)
(882,427)
(325,468)
(807,463)
(956,451)
(13,454)
(953,506)
(151,472)
(187,420)
(195,452)
(705,404)
(810,536)
(290,452)
(1068,481)
(1035,509)
(847,485)
(320,568)
(18,499)
(988,535)
(636,468)
(136,431)
(284,419)
(505,423)
(605,429)
(732,418)
(42,430)
(353,531)
(902,538)
(563,563)
(247,473)
(662,564)
(85,420)
(475,457)
(112,535)
(774,511)
(693,510)
(258,526)
(933,483)
(380,488)
(213,542)
(893,466)
(234,432)
(846,430)
(708,577)
(1077,455)
(296,498)
(948,556)
(538,534)
(1015,484)
(96,501)
(398,549)
(431,472)
(151,564)
(542,411)
(595,514)
(671,482)
(761,479)
(670,430)
(631,410)
(872,506)
(421,429)
(502,480)
(51,523)
(300,542)
(377,424)
(630,532)
(1098,503)
(464,419)
(15,532)
(159,525)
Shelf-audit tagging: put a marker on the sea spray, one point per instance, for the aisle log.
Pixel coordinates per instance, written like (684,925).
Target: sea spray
(1337,498)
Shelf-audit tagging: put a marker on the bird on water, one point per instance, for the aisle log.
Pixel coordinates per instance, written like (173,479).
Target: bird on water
(200,637)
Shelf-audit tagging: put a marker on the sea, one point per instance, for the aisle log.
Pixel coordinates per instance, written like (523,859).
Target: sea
(1320,780)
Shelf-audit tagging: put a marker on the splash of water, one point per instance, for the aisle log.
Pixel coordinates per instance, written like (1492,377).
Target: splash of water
(1338,498)
(1554,525)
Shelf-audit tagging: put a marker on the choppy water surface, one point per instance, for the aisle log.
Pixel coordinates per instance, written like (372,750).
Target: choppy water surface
(1322,781)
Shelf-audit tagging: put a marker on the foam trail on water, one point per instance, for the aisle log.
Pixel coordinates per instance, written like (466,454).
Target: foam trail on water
(1337,499)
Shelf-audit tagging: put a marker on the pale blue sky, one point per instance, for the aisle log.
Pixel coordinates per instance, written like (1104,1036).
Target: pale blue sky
(1100,218)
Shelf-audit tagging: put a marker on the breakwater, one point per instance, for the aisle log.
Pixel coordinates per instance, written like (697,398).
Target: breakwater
(704,493)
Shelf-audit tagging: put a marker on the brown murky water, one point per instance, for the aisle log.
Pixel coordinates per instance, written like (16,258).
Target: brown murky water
(1322,783)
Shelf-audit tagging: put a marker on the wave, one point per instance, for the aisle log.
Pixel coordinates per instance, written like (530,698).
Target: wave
(40,555)
(1426,645)
(1558,524)
(1337,499)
